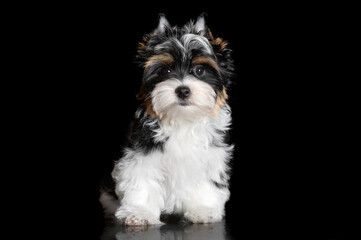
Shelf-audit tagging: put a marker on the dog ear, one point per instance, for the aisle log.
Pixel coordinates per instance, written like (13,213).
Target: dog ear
(200,25)
(162,25)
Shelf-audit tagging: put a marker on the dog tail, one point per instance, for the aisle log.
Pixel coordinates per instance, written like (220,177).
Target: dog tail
(108,198)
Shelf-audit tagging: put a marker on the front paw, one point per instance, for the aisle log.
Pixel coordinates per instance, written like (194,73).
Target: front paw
(195,217)
(135,221)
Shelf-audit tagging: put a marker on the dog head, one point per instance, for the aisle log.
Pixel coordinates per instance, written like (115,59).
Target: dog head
(186,71)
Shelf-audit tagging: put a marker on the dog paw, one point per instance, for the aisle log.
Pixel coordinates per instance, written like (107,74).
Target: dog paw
(197,218)
(135,221)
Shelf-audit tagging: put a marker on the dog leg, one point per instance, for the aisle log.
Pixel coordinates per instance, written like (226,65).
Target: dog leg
(140,207)
(139,182)
(206,204)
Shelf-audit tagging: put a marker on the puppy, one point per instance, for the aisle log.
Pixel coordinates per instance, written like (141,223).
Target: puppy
(177,160)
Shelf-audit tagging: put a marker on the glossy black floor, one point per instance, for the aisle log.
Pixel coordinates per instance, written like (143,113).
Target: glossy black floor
(215,231)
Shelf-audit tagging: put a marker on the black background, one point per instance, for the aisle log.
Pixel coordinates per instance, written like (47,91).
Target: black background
(292,167)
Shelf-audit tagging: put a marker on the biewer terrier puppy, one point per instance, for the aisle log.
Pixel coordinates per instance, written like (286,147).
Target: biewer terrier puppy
(177,160)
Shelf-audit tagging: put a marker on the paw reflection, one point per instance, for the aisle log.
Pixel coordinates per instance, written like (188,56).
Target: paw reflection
(212,231)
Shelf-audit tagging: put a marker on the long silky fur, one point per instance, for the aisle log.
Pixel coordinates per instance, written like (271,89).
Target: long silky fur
(177,159)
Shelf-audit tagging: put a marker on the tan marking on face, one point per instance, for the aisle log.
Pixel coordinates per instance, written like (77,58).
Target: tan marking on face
(165,58)
(220,43)
(142,45)
(220,101)
(146,102)
(205,60)
(149,106)
(210,35)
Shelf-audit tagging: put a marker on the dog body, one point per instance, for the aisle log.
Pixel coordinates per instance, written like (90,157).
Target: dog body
(177,158)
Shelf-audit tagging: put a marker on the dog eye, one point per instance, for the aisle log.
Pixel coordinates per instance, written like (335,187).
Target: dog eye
(166,71)
(199,71)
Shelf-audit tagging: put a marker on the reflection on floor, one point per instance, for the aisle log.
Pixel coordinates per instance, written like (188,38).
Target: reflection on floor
(175,231)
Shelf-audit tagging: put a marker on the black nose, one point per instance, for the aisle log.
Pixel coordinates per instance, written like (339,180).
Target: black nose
(183,92)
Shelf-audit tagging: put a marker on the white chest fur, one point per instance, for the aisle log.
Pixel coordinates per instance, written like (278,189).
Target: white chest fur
(192,158)
(194,154)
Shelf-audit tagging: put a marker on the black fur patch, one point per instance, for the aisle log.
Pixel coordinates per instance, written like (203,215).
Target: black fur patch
(142,134)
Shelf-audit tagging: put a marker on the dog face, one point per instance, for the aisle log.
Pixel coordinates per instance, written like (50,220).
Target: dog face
(186,71)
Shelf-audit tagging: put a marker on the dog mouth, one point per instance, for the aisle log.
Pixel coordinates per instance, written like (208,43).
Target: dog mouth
(183,102)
